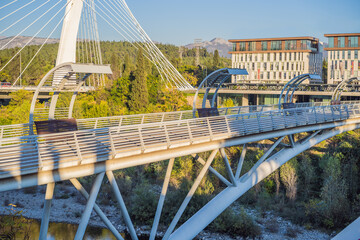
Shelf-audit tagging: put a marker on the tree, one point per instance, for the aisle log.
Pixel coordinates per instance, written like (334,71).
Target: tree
(127,66)
(216,59)
(324,71)
(288,177)
(139,96)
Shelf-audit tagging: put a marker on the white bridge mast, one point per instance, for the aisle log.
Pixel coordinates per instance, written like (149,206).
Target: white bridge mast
(67,46)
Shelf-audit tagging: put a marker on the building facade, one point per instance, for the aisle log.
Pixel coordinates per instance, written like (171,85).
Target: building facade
(343,56)
(276,59)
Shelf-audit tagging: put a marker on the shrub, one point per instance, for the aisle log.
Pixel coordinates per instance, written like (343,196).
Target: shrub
(272,226)
(143,205)
(236,225)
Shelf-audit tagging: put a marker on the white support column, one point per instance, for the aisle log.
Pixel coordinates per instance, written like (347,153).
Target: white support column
(227,166)
(46,215)
(121,202)
(225,198)
(162,199)
(189,196)
(100,213)
(89,207)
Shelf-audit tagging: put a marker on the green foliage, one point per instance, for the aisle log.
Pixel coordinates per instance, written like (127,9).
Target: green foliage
(139,96)
(288,177)
(240,224)
(14,223)
(143,204)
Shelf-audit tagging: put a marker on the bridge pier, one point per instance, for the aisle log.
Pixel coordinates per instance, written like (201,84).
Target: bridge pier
(46,215)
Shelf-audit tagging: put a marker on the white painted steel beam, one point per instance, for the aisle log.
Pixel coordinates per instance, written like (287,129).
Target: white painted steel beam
(225,198)
(49,194)
(97,209)
(161,199)
(89,207)
(122,205)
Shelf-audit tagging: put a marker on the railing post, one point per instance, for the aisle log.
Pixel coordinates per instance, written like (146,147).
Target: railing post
(258,120)
(167,137)
(332,112)
(141,140)
(39,156)
(323,108)
(190,134)
(314,109)
(227,125)
(78,148)
(347,111)
(209,127)
(112,144)
(96,123)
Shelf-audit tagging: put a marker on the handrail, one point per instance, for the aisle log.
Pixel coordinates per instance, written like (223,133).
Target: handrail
(21,155)
(126,120)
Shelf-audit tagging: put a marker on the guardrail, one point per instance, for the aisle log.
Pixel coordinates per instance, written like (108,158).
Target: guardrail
(279,87)
(126,120)
(29,154)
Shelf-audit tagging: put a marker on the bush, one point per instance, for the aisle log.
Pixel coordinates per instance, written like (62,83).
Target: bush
(236,225)
(272,226)
(143,205)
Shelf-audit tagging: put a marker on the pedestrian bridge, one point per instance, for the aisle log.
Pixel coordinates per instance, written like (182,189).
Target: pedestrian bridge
(110,143)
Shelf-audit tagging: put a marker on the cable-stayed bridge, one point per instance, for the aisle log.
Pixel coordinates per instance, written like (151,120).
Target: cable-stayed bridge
(62,148)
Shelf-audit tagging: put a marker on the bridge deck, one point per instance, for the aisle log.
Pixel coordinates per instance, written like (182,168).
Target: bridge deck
(37,153)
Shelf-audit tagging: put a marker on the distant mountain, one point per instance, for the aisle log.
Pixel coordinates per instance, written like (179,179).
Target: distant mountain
(222,45)
(20,41)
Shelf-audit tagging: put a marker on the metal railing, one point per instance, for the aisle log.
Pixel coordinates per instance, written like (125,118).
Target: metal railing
(29,154)
(126,120)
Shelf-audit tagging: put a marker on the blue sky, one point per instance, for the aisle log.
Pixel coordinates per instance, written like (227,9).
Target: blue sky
(179,22)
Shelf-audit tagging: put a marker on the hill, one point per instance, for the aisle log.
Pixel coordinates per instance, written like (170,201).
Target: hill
(222,45)
(20,41)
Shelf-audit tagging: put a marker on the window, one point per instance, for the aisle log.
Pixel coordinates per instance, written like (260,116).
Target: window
(271,66)
(250,57)
(341,42)
(251,46)
(264,66)
(275,45)
(290,45)
(331,42)
(353,42)
(356,54)
(268,75)
(349,54)
(256,57)
(268,58)
(264,45)
(280,56)
(343,54)
(338,54)
(242,46)
(289,56)
(274,56)
(234,47)
(346,65)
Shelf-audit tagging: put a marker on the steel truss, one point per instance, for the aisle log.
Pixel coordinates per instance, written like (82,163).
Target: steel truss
(237,183)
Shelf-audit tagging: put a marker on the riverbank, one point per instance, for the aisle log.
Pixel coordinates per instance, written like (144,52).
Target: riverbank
(68,206)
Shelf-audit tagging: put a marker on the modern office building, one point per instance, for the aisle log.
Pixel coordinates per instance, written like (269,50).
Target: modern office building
(343,56)
(276,59)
